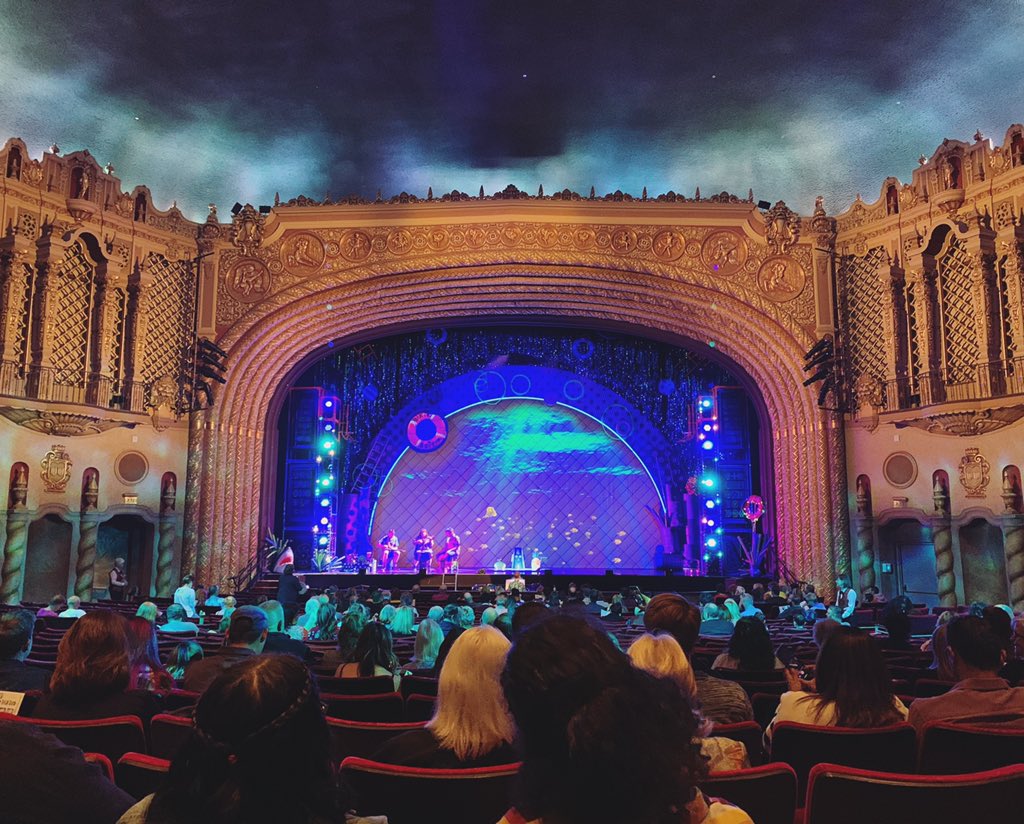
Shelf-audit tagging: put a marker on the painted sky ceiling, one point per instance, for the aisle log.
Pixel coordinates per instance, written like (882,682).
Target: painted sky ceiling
(215,102)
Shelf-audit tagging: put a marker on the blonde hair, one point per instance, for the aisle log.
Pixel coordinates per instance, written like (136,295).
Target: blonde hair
(148,610)
(661,655)
(404,618)
(472,717)
(428,641)
(387,615)
(733,609)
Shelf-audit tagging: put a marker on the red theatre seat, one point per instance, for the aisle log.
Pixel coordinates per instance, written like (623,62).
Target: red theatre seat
(102,762)
(112,737)
(961,748)
(378,685)
(472,796)
(168,734)
(892,748)
(379,708)
(139,775)
(361,738)
(846,795)
(767,794)
(748,733)
(418,685)
(419,707)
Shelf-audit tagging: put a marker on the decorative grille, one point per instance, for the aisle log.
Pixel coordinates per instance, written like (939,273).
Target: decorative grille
(170,309)
(1008,344)
(120,307)
(913,347)
(23,304)
(865,305)
(959,327)
(72,311)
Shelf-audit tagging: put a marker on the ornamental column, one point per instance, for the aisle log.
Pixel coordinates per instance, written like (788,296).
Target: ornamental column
(865,532)
(15,282)
(980,245)
(942,539)
(930,385)
(136,325)
(1012,523)
(17,535)
(89,526)
(894,324)
(100,377)
(168,529)
(50,252)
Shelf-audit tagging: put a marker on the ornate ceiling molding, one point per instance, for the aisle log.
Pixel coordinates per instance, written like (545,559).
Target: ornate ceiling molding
(62,424)
(965,424)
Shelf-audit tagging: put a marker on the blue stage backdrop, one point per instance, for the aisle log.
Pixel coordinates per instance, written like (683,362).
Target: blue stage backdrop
(520,472)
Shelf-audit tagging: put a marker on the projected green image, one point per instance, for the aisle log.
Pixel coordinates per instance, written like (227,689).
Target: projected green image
(520,472)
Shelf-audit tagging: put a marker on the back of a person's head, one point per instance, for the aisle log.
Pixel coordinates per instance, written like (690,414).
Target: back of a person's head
(429,638)
(466,616)
(148,610)
(74,602)
(999,622)
(746,601)
(823,631)
(181,655)
(374,649)
(672,613)
(581,709)
(527,615)
(275,615)
(247,624)
(326,626)
(387,614)
(851,672)
(435,613)
(288,569)
(975,644)
(751,645)
(451,613)
(58,603)
(259,751)
(92,659)
(662,656)
(471,716)
(142,641)
(488,616)
(16,629)
(896,619)
(175,612)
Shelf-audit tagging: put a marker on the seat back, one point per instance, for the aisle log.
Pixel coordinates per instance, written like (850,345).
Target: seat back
(419,685)
(846,795)
(767,793)
(112,737)
(468,796)
(746,732)
(139,775)
(764,705)
(892,748)
(377,685)
(362,738)
(930,687)
(101,761)
(180,699)
(419,707)
(168,734)
(959,748)
(379,708)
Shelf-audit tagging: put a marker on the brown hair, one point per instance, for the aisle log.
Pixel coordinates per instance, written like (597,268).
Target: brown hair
(672,613)
(92,659)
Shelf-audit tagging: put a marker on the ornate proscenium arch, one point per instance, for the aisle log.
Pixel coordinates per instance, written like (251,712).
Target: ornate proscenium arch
(717,273)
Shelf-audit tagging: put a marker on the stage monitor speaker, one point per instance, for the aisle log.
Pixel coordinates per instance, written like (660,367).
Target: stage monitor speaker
(608,573)
(362,572)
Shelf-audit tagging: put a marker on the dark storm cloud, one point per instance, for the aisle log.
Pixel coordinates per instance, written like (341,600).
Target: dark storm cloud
(223,101)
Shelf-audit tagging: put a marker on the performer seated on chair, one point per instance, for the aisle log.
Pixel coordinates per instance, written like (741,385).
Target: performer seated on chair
(389,551)
(449,557)
(423,549)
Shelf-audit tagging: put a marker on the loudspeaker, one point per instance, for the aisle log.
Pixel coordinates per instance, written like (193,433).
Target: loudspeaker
(608,573)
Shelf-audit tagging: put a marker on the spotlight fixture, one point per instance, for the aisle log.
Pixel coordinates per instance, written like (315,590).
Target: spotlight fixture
(236,208)
(265,210)
(764,204)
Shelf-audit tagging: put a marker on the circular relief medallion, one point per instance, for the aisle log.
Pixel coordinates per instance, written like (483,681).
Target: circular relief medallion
(302,253)
(624,241)
(419,241)
(437,239)
(355,246)
(724,253)
(458,237)
(510,235)
(248,280)
(131,467)
(399,242)
(547,236)
(476,237)
(379,243)
(780,278)
(668,245)
(583,238)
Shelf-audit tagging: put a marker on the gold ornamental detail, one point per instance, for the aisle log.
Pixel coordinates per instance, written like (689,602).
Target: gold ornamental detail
(302,253)
(248,280)
(974,473)
(56,466)
(781,278)
(724,253)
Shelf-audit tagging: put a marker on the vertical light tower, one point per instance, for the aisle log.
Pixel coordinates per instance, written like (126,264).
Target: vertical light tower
(325,530)
(709,484)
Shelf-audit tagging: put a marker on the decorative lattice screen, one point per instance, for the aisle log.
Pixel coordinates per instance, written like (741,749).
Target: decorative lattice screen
(72,310)
(119,301)
(170,305)
(865,306)
(959,325)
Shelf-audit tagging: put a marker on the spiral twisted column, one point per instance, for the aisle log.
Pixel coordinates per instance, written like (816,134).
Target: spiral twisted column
(1013,547)
(168,532)
(14,556)
(864,527)
(942,540)
(89,527)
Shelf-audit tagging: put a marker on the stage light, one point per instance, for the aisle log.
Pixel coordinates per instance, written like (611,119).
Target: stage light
(316,529)
(325,502)
(319,459)
(328,444)
(712,543)
(708,445)
(709,522)
(707,427)
(704,521)
(719,553)
(700,437)
(709,504)
(323,540)
(707,557)
(718,531)
(328,427)
(324,521)
(328,404)
(715,427)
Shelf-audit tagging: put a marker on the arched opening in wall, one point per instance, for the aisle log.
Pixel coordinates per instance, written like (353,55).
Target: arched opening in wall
(141,208)
(588,449)
(892,200)
(47,558)
(983,562)
(906,555)
(13,163)
(129,537)
(79,183)
(1017,150)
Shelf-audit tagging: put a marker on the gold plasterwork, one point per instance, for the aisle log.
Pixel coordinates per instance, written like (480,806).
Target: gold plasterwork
(56,469)
(62,424)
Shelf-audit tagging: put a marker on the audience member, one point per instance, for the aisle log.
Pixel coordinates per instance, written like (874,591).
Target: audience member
(74,609)
(43,779)
(57,604)
(750,649)
(247,635)
(214,600)
(352,625)
(466,616)
(404,621)
(289,588)
(588,719)
(179,657)
(896,620)
(733,609)
(450,619)
(185,596)
(747,608)
(428,641)
(980,696)
(373,656)
(722,702)
(715,621)
(16,628)
(834,613)
(93,673)
(146,671)
(117,581)
(471,726)
(488,617)
(852,687)
(941,665)
(846,599)
(326,626)
(823,630)
(176,623)
(263,713)
(661,655)
(227,606)
(277,639)
(436,614)
(526,616)
(387,615)
(149,611)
